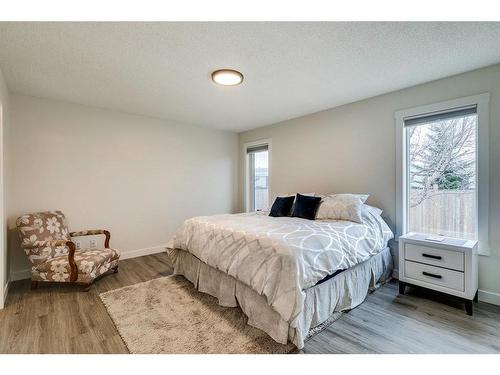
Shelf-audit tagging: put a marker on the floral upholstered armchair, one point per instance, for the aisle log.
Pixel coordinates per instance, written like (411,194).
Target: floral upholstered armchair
(47,243)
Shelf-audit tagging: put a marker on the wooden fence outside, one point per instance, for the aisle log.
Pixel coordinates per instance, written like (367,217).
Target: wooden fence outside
(447,212)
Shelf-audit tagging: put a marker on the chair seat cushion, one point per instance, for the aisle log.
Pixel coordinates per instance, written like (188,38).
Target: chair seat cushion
(90,263)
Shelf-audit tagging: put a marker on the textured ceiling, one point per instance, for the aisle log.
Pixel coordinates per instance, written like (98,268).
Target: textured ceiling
(291,69)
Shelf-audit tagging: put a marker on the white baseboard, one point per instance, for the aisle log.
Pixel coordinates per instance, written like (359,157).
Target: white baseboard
(20,275)
(484,296)
(142,252)
(5,292)
(26,273)
(489,297)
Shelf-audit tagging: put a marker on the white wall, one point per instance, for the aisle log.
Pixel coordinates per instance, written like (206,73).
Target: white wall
(138,177)
(352,149)
(4,104)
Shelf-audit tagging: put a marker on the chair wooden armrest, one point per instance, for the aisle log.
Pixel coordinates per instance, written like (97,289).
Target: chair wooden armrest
(93,232)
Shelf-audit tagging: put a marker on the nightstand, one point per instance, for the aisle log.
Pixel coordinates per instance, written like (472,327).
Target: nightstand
(444,264)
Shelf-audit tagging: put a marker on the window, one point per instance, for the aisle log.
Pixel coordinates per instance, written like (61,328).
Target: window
(257,175)
(442,173)
(443,169)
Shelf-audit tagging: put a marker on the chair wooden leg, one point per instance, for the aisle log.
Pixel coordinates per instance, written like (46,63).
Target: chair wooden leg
(87,287)
(115,270)
(34,284)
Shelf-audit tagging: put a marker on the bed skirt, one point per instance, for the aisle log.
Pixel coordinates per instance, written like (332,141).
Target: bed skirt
(323,304)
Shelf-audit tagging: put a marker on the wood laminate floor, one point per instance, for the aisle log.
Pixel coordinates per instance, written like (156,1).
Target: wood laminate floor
(63,319)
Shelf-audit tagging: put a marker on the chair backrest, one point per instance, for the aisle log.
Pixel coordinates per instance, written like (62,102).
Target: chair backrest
(41,226)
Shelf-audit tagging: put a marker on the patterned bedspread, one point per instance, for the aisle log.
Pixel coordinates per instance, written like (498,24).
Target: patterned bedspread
(280,257)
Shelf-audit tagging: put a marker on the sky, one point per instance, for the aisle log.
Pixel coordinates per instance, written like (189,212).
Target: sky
(261,159)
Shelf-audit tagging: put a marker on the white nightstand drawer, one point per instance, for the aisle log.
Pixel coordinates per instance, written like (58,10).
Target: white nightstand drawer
(436,257)
(435,275)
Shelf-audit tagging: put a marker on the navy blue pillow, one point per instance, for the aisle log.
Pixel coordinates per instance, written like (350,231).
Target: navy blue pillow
(306,207)
(282,206)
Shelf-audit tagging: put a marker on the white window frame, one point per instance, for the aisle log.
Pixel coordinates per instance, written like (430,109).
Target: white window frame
(246,190)
(3,266)
(481,101)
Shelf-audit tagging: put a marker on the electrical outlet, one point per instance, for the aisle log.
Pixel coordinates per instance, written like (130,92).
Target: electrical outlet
(78,245)
(93,244)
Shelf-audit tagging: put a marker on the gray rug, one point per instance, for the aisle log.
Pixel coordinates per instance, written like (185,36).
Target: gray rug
(168,315)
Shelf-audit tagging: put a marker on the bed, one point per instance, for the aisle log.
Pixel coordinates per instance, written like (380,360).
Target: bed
(290,276)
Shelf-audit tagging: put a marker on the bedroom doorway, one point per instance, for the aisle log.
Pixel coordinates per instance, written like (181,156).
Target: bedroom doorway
(257,176)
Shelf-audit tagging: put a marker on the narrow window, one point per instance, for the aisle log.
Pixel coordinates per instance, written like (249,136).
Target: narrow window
(257,177)
(441,167)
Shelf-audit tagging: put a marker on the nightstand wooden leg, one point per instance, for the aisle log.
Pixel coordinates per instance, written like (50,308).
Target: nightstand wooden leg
(476,299)
(402,287)
(468,307)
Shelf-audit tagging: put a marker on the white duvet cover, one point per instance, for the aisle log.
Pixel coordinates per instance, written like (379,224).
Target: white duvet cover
(280,257)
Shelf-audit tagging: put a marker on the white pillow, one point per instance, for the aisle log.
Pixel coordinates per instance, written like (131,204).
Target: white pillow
(362,197)
(341,207)
(375,210)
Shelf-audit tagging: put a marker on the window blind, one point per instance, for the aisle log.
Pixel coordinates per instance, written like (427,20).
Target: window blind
(257,148)
(433,117)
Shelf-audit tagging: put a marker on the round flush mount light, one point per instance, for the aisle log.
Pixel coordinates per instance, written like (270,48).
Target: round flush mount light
(227,77)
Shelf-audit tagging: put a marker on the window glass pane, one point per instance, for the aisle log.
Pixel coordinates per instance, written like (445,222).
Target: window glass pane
(442,177)
(260,180)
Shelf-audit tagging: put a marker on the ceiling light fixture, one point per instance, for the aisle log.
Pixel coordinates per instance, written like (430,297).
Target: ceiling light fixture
(227,77)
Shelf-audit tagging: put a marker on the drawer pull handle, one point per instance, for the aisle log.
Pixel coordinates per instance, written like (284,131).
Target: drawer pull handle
(432,256)
(432,275)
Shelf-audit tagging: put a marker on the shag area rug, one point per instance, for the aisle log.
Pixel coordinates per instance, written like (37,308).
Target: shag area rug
(168,315)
